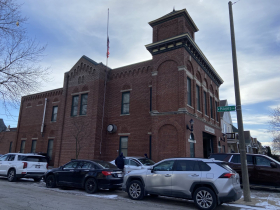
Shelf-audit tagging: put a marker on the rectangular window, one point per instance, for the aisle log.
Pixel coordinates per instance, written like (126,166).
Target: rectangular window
(75,102)
(198,97)
(33,146)
(189,91)
(50,148)
(123,145)
(211,107)
(151,96)
(22,146)
(224,149)
(11,146)
(205,103)
(125,102)
(83,107)
(54,113)
(216,110)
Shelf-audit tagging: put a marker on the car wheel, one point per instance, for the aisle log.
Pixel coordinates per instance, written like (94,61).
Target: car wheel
(12,175)
(135,190)
(91,186)
(50,181)
(205,198)
(37,179)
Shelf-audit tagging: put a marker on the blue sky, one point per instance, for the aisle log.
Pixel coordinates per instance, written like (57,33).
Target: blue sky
(74,28)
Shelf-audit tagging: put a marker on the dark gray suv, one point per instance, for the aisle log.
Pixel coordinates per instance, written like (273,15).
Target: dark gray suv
(206,181)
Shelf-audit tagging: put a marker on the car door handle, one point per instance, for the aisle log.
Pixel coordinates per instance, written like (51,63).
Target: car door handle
(195,175)
(167,175)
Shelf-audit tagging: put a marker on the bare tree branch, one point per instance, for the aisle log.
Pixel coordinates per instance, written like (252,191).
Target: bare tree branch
(20,72)
(80,132)
(274,124)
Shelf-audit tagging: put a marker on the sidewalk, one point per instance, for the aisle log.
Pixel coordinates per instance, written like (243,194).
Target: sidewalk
(261,199)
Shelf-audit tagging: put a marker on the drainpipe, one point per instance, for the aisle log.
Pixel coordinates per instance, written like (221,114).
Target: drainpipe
(42,127)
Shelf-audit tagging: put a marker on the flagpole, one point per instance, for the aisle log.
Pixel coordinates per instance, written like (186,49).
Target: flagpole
(105,82)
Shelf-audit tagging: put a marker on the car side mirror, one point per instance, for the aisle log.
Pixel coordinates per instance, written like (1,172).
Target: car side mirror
(152,169)
(273,165)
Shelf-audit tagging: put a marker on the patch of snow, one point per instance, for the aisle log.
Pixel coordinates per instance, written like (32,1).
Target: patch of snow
(243,206)
(103,196)
(267,206)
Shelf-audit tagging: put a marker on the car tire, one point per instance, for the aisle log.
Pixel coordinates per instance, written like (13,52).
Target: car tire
(204,198)
(91,186)
(12,175)
(37,179)
(136,190)
(50,181)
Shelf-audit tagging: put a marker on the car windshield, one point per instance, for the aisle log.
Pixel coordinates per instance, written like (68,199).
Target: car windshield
(104,164)
(146,161)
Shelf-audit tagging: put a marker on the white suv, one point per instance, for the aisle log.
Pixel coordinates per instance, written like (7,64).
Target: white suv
(19,165)
(206,181)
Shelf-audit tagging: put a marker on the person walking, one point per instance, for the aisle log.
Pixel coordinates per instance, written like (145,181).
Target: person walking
(120,161)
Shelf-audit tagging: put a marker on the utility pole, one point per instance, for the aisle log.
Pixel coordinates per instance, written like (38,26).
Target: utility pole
(243,158)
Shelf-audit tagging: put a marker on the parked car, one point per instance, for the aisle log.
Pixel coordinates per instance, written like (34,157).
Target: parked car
(88,174)
(261,168)
(206,181)
(135,163)
(19,165)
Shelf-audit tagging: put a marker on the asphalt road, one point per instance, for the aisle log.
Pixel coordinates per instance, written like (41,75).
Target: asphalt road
(27,194)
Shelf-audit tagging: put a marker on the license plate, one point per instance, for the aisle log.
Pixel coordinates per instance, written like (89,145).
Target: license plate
(120,175)
(37,166)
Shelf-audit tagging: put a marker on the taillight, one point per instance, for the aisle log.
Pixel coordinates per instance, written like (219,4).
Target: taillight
(227,175)
(24,165)
(106,173)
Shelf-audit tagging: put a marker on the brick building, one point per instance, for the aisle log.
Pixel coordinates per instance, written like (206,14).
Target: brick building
(148,104)
(7,137)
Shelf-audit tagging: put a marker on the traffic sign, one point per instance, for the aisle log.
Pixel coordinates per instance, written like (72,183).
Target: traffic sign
(226,108)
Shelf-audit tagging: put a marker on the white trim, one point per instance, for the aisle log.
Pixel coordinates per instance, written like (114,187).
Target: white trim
(182,68)
(126,90)
(124,114)
(154,73)
(39,105)
(199,111)
(190,106)
(123,134)
(189,74)
(79,93)
(150,86)
(150,133)
(192,141)
(182,109)
(55,102)
(23,139)
(197,82)
(34,138)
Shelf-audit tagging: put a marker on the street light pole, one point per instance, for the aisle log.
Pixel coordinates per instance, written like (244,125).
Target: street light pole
(244,168)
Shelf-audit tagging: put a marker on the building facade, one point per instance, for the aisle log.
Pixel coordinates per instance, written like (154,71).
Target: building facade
(136,109)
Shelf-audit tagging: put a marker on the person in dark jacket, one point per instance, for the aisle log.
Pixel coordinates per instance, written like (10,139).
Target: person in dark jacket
(120,161)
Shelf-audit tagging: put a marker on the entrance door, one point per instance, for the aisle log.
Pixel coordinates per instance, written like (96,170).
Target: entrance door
(207,145)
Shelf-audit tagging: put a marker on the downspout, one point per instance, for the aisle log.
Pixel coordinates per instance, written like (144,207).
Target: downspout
(43,121)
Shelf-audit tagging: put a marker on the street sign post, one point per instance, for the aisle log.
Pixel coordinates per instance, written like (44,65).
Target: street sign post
(226,108)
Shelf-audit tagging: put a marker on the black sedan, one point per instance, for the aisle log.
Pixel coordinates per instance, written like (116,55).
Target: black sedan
(88,174)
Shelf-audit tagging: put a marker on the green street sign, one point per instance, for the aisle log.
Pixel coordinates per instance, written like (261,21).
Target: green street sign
(226,108)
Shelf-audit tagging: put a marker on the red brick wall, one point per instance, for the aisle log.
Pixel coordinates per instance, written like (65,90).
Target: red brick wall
(5,139)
